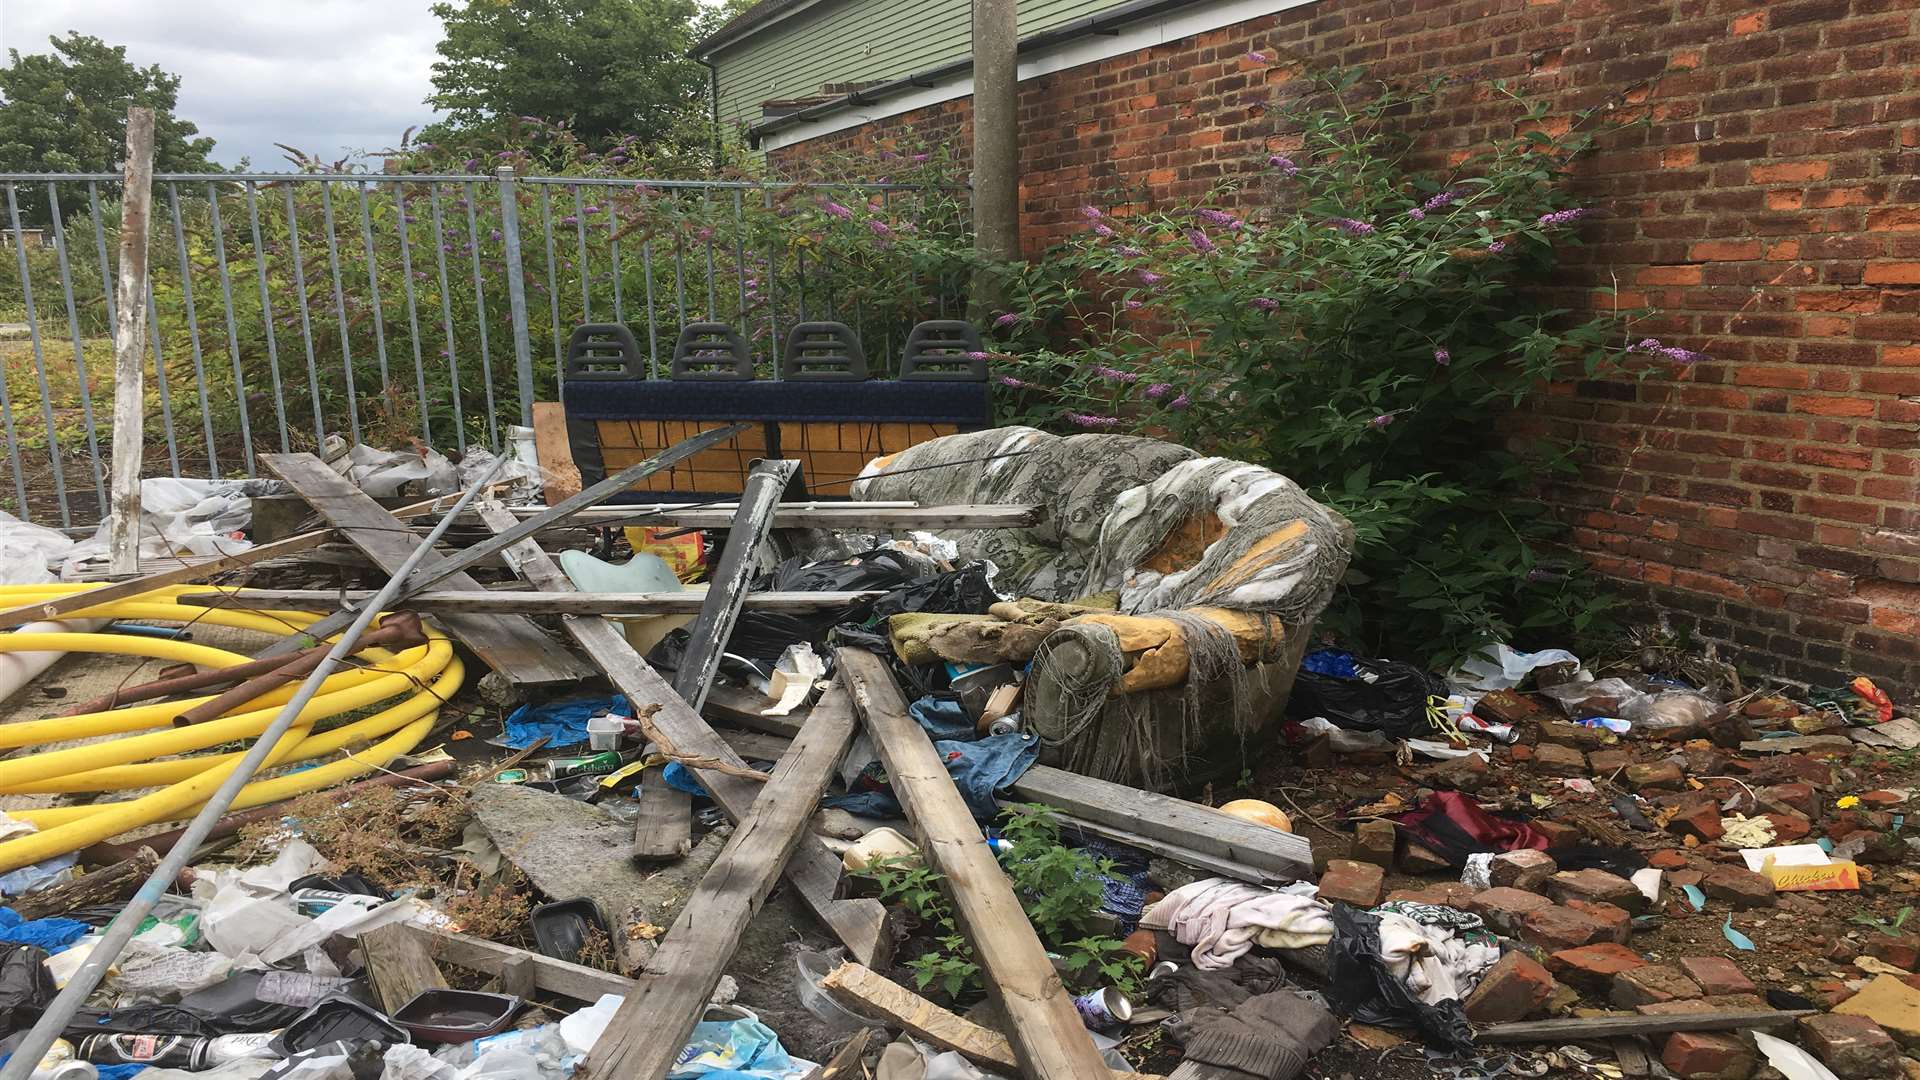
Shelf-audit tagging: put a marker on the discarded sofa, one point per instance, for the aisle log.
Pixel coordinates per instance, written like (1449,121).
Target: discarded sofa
(1171,595)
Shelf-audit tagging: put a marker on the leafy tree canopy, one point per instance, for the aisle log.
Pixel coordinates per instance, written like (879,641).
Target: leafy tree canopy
(66,111)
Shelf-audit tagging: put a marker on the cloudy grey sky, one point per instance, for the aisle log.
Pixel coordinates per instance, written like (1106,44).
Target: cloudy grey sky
(328,76)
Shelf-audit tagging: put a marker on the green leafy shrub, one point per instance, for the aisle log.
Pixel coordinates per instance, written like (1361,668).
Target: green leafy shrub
(1059,888)
(1363,327)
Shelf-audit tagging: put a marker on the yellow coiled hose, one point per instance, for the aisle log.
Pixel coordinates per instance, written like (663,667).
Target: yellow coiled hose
(411,684)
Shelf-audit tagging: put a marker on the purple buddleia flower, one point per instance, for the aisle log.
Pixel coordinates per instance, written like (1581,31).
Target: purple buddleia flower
(1103,229)
(1563,217)
(919,157)
(1149,278)
(1133,305)
(1443,199)
(1380,421)
(1351,226)
(1442,357)
(977,355)
(593,209)
(1091,213)
(1201,243)
(837,210)
(1112,374)
(1130,251)
(1496,247)
(1417,214)
(1256,57)
(703,233)
(1672,352)
(1088,420)
(1180,403)
(1264,303)
(1010,382)
(1218,217)
(1284,164)
(1156,391)
(880,229)
(529,119)
(1006,319)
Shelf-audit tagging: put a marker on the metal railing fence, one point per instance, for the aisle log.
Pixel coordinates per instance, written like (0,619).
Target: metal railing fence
(389,308)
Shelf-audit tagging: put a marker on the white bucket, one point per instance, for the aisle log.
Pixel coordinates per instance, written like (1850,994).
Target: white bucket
(603,732)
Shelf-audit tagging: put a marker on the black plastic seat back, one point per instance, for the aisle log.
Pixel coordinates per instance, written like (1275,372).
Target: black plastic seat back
(711,352)
(824,352)
(604,351)
(937,351)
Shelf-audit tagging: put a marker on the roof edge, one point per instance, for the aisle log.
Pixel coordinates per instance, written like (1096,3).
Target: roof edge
(748,23)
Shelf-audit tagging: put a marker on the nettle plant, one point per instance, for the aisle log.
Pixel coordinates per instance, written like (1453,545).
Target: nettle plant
(1060,888)
(1362,327)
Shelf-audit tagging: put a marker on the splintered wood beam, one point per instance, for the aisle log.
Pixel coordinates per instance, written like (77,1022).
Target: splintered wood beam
(720,608)
(1581,1029)
(510,644)
(664,830)
(648,1032)
(399,966)
(1049,1039)
(813,871)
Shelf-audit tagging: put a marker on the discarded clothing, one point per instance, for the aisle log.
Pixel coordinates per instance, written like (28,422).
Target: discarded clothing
(944,718)
(25,985)
(1433,915)
(562,722)
(1224,919)
(1454,826)
(1433,962)
(979,769)
(1187,987)
(1361,985)
(53,935)
(1268,1037)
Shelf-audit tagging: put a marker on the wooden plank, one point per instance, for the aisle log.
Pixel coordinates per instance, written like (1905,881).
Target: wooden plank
(399,966)
(1606,1027)
(869,993)
(555,976)
(813,871)
(664,829)
(845,1061)
(1631,1053)
(130,347)
(510,644)
(1163,817)
(519,602)
(646,1035)
(873,517)
(757,745)
(707,638)
(1049,1040)
(558,513)
(559,476)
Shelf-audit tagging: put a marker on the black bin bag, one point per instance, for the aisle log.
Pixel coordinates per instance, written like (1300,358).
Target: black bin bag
(1360,987)
(1389,697)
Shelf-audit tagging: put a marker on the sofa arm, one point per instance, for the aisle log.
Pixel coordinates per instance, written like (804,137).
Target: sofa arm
(1157,649)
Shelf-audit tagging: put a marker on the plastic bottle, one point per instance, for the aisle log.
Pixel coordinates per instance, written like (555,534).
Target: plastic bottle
(246,1044)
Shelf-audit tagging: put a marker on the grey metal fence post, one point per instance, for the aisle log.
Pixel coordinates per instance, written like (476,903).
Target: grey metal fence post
(516,290)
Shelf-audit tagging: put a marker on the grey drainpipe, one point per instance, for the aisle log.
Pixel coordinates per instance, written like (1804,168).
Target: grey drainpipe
(713,98)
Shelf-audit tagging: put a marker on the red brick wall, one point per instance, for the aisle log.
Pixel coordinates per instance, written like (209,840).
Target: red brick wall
(1768,500)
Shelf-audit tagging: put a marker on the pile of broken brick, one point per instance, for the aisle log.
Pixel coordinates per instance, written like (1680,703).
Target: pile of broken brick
(1708,934)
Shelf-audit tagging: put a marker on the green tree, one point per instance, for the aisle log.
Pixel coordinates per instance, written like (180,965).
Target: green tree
(66,111)
(607,67)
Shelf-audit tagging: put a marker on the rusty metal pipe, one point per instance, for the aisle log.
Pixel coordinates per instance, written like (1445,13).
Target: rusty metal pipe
(406,633)
(188,678)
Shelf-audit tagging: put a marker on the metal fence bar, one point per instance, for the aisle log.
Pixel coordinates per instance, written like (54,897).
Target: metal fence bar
(39,368)
(773,291)
(340,310)
(401,221)
(680,277)
(233,333)
(516,298)
(446,317)
(713,295)
(306,318)
(740,257)
(480,316)
(586,276)
(266,317)
(613,257)
(193,330)
(653,322)
(79,348)
(373,296)
(39,364)
(553,292)
(160,383)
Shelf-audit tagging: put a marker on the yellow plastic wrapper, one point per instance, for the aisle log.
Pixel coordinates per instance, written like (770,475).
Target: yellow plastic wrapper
(685,555)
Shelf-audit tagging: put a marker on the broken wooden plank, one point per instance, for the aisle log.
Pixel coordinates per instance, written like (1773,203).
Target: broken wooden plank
(520,602)
(664,829)
(814,872)
(559,476)
(1163,817)
(1580,1029)
(399,966)
(845,1061)
(573,504)
(646,1035)
(862,990)
(555,976)
(1049,1040)
(708,636)
(129,347)
(510,644)
(107,885)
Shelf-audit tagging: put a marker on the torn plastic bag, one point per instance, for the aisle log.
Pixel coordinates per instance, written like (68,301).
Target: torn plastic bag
(1600,698)
(25,985)
(382,474)
(966,591)
(28,551)
(1360,986)
(1453,825)
(1384,695)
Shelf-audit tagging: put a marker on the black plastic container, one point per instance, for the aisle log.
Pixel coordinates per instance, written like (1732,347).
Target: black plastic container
(560,928)
(456,1016)
(338,1018)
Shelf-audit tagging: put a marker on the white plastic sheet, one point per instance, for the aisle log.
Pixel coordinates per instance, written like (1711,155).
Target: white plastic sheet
(182,516)
(28,552)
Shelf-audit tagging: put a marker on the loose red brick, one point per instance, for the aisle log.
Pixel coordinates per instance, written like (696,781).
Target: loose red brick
(1702,1055)
(1618,924)
(1651,984)
(1513,989)
(1656,774)
(1596,886)
(1592,967)
(1716,975)
(1743,887)
(1357,883)
(1374,842)
(1555,928)
(1854,1047)
(1505,908)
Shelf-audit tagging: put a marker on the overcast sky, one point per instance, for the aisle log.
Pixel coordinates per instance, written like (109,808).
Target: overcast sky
(328,76)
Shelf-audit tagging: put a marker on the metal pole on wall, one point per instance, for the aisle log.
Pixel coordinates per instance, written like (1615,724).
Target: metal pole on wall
(130,346)
(996,147)
(517,290)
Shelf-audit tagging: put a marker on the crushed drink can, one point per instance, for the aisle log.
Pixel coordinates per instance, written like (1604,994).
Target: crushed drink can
(188,1052)
(1006,725)
(1502,733)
